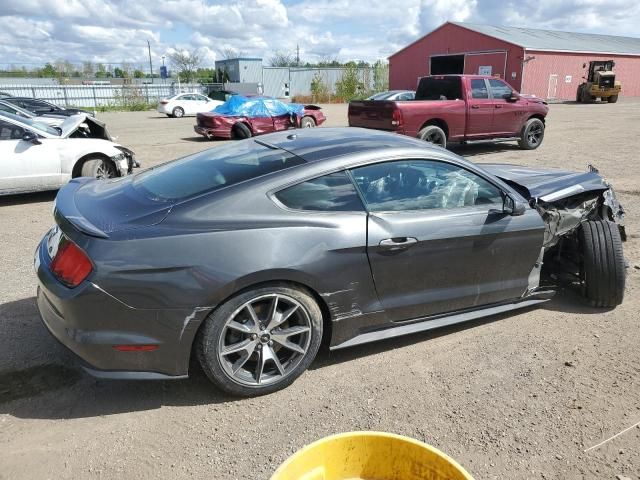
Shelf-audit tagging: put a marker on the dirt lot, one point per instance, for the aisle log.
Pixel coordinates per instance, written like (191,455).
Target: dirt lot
(513,397)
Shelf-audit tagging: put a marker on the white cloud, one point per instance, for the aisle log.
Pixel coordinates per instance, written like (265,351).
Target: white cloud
(33,31)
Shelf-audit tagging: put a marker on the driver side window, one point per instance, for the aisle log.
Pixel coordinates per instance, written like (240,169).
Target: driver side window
(9,131)
(423,185)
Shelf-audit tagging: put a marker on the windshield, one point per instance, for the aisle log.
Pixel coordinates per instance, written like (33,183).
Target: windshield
(439,88)
(213,169)
(41,127)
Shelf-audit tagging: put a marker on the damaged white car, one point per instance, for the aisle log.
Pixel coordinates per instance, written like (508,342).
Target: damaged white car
(36,156)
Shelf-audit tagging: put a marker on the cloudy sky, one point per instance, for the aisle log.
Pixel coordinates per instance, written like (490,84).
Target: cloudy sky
(113,31)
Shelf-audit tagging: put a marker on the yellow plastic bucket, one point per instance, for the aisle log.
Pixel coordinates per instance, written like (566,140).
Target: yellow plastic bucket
(369,456)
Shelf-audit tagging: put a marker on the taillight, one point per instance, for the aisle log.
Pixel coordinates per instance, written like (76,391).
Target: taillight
(396,118)
(70,264)
(163,102)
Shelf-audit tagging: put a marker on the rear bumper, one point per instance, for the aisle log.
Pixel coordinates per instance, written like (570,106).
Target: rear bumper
(212,132)
(89,322)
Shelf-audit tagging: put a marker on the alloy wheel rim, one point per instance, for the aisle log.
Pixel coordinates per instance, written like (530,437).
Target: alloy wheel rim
(534,135)
(434,138)
(104,171)
(264,340)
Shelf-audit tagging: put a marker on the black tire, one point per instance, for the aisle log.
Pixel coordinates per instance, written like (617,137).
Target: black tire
(208,340)
(433,134)
(307,122)
(612,99)
(240,131)
(177,112)
(532,134)
(603,268)
(579,94)
(587,97)
(98,168)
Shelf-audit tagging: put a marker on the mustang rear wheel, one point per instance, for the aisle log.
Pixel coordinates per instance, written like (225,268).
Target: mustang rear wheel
(261,340)
(603,268)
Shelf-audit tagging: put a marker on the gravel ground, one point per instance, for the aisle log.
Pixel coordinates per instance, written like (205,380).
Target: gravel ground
(518,396)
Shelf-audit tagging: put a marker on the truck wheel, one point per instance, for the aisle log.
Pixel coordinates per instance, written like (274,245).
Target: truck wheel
(603,268)
(98,168)
(532,134)
(612,99)
(433,134)
(240,131)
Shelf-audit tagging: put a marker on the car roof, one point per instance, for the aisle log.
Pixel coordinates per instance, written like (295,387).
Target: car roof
(317,144)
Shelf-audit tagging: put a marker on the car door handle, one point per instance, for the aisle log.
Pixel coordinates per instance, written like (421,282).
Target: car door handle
(475,107)
(498,106)
(398,242)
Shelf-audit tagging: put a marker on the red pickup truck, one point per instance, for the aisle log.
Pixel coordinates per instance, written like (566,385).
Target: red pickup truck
(458,108)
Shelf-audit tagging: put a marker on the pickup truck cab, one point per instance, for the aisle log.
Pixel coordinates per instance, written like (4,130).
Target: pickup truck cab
(458,108)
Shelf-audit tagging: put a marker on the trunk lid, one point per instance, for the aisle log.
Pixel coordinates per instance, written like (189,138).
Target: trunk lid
(101,207)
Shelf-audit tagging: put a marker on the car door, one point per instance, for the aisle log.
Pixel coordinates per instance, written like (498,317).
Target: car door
(25,165)
(189,104)
(507,114)
(479,109)
(202,104)
(438,240)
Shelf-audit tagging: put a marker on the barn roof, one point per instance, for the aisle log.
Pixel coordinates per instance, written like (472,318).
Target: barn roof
(554,40)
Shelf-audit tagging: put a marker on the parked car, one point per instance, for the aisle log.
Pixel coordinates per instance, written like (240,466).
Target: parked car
(222,95)
(458,108)
(51,120)
(400,95)
(37,106)
(186,104)
(247,254)
(36,156)
(243,117)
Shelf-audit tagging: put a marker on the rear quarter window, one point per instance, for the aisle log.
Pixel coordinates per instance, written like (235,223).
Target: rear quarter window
(330,193)
(439,88)
(212,170)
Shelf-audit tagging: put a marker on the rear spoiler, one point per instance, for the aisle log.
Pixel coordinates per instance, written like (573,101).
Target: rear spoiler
(65,209)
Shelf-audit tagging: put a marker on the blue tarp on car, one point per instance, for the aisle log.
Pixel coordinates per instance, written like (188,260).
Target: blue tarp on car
(239,106)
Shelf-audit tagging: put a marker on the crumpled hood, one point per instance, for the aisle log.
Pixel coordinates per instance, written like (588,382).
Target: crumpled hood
(97,129)
(548,184)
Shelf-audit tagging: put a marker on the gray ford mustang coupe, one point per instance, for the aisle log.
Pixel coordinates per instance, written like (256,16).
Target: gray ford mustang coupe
(247,254)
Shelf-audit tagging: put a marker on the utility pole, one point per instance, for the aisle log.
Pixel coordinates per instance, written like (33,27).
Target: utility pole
(297,54)
(150,64)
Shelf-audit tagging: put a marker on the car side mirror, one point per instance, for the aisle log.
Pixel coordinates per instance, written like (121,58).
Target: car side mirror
(513,207)
(511,97)
(29,136)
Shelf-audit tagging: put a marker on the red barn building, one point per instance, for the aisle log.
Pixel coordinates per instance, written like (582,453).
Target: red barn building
(545,63)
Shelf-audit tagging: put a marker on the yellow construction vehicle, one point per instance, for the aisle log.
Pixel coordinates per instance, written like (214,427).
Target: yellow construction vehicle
(600,83)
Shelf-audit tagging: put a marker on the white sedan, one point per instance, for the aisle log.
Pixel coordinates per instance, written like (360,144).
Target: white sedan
(36,156)
(186,104)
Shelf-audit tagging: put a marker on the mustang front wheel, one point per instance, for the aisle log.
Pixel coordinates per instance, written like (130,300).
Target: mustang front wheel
(603,267)
(261,340)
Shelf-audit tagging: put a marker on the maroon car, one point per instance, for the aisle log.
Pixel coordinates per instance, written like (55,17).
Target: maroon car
(458,108)
(242,117)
